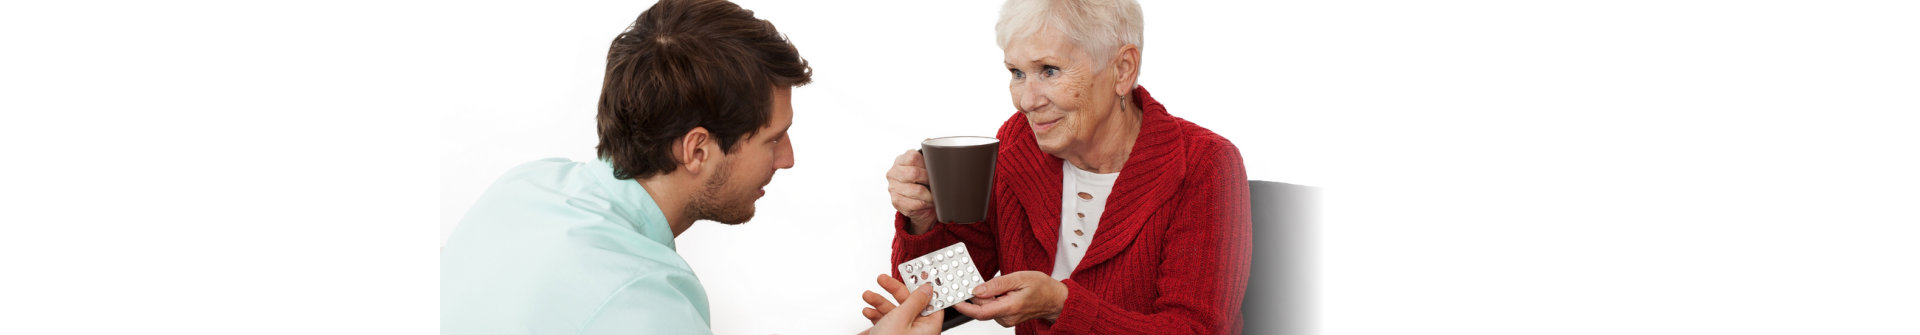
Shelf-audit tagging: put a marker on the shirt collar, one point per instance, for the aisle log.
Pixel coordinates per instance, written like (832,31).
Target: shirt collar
(631,200)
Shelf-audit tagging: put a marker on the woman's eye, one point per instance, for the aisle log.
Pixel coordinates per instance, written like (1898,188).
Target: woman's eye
(1050,71)
(1017,74)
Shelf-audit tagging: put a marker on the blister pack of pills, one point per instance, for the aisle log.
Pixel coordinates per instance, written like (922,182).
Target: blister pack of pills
(951,272)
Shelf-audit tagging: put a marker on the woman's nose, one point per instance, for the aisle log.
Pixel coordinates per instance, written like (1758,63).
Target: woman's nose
(1032,98)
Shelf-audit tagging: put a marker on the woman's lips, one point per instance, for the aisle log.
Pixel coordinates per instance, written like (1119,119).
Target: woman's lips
(1042,127)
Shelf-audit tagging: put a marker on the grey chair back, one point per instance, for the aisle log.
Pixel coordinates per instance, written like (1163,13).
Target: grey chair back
(1279,288)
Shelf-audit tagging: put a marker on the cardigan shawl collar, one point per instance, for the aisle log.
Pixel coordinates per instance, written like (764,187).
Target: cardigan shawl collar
(1146,182)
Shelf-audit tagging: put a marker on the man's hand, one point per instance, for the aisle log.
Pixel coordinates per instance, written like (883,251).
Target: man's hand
(904,319)
(1015,298)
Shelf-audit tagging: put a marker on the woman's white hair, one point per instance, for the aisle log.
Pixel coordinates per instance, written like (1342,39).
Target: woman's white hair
(1100,27)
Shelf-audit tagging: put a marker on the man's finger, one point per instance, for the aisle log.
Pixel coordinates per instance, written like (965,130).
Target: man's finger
(893,286)
(909,309)
(919,299)
(878,302)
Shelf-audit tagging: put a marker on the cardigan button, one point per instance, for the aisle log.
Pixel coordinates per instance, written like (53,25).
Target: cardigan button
(1085,196)
(1076,232)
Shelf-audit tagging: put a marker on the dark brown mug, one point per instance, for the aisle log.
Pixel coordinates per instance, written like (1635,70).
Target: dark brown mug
(960,176)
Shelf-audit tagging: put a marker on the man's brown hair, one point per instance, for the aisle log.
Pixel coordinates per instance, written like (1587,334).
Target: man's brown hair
(686,64)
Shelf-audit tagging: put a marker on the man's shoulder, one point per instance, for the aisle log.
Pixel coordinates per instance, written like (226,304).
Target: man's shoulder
(539,186)
(552,214)
(544,171)
(559,271)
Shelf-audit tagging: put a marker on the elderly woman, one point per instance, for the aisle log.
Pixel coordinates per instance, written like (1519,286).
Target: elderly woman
(1108,215)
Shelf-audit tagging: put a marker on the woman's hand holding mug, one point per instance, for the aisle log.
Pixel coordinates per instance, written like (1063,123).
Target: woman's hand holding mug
(906,184)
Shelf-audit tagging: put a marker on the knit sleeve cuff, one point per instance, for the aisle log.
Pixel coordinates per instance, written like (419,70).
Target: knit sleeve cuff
(906,246)
(1079,312)
(900,231)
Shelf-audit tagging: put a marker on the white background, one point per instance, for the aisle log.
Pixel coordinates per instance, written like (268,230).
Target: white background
(1486,167)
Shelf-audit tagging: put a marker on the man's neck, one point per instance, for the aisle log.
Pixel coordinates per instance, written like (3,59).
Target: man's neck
(671,192)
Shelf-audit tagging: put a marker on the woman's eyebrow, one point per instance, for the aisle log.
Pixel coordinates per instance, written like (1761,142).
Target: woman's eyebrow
(1049,59)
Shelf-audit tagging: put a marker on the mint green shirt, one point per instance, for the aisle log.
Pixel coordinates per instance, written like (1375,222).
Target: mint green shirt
(561,247)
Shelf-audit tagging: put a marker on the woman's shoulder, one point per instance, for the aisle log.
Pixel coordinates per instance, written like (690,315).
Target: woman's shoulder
(1199,137)
(1203,153)
(1197,142)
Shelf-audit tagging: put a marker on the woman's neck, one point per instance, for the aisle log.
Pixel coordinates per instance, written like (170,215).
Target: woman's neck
(1108,149)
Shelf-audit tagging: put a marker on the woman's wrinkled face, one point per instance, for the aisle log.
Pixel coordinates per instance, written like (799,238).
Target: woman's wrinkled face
(1057,86)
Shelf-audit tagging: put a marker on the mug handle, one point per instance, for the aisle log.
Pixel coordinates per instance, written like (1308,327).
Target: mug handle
(929,183)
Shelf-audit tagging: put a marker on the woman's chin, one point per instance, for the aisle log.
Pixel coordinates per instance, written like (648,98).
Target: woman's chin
(1051,146)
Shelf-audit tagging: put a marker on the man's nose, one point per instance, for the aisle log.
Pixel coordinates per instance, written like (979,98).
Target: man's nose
(785,160)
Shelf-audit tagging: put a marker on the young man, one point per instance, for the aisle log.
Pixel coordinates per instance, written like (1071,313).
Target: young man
(693,122)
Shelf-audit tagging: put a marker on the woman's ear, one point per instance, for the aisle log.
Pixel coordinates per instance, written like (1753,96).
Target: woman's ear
(1126,69)
(693,149)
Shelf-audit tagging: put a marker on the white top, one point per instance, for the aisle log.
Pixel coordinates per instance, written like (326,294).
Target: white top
(1079,215)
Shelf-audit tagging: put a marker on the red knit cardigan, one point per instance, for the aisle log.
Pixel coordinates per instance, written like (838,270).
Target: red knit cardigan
(1172,251)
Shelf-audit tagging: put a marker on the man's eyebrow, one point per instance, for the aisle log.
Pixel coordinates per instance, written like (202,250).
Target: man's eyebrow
(783,132)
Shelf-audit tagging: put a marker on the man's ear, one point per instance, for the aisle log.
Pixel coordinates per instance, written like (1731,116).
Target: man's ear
(694,150)
(1126,69)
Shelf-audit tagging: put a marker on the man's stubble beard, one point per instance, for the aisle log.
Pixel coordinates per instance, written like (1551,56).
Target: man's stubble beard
(709,204)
